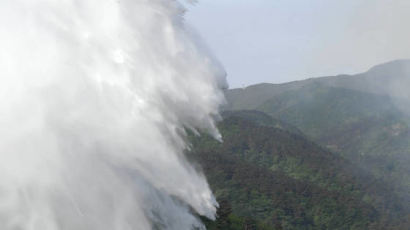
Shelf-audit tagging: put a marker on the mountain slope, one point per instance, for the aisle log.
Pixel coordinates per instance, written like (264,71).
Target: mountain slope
(390,79)
(356,116)
(261,118)
(281,180)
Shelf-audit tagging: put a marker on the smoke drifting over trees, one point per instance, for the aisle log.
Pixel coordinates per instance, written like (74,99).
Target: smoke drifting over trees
(95,95)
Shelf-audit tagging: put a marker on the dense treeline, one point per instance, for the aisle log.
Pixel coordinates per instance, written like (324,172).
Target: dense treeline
(364,117)
(368,129)
(267,176)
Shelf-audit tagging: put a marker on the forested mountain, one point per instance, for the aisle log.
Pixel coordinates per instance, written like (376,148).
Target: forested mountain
(267,176)
(390,79)
(323,153)
(362,117)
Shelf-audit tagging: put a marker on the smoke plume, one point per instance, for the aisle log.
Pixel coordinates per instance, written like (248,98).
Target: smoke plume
(95,96)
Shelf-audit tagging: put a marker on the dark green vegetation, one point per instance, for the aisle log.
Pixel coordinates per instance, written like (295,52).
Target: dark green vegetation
(276,179)
(364,118)
(324,153)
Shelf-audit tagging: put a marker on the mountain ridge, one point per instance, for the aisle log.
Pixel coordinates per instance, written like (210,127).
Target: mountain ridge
(364,117)
(394,64)
(390,78)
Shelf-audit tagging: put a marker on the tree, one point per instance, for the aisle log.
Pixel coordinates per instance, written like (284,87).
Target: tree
(249,224)
(222,221)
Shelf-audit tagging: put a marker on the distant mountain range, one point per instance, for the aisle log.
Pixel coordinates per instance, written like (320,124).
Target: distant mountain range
(322,153)
(390,79)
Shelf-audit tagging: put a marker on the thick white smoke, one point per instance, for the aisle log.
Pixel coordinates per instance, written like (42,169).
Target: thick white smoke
(94,98)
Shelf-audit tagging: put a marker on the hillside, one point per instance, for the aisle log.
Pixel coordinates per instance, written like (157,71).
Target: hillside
(390,79)
(261,118)
(272,178)
(359,117)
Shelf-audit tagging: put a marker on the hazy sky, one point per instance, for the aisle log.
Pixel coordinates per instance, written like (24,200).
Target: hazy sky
(284,40)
